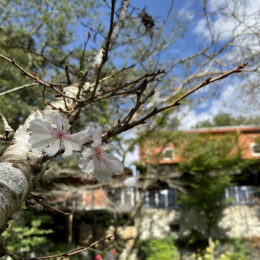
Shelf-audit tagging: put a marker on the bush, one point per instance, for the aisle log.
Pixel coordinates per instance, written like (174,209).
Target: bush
(209,252)
(154,249)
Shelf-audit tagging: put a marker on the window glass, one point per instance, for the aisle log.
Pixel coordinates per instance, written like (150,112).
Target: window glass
(168,154)
(172,199)
(162,199)
(151,202)
(239,195)
(117,196)
(255,149)
(128,193)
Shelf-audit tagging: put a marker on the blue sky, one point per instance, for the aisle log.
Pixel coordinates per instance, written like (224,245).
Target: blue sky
(231,95)
(191,42)
(159,10)
(228,96)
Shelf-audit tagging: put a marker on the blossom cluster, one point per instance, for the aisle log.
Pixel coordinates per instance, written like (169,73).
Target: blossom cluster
(50,136)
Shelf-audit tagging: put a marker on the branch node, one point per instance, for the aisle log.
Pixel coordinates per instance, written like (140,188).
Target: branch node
(207,81)
(9,131)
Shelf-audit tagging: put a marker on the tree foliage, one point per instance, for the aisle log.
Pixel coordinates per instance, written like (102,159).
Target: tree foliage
(26,233)
(152,249)
(208,164)
(226,119)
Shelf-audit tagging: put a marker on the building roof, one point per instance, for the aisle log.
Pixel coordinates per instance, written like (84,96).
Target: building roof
(223,129)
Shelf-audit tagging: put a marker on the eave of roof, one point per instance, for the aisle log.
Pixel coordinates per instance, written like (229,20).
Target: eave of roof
(224,129)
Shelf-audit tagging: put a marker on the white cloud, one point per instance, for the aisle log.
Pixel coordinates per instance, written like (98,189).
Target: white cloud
(232,18)
(239,19)
(230,101)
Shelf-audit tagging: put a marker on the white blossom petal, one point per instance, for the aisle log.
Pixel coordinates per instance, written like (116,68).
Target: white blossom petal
(41,133)
(114,164)
(88,152)
(40,141)
(107,147)
(87,166)
(74,142)
(79,138)
(40,126)
(102,173)
(69,147)
(61,123)
(97,138)
(98,161)
(53,147)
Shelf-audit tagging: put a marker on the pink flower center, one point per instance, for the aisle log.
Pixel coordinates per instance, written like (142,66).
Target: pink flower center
(99,152)
(59,133)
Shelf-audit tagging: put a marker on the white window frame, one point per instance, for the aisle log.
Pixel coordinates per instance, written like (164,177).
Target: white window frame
(252,150)
(168,149)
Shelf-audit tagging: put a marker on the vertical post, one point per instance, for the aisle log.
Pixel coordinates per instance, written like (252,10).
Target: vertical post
(70,227)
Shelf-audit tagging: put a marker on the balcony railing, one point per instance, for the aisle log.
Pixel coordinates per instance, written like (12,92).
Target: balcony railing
(124,199)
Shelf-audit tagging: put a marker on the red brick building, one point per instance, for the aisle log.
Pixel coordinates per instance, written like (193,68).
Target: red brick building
(248,142)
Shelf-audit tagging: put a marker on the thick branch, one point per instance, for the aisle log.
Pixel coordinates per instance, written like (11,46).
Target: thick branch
(20,166)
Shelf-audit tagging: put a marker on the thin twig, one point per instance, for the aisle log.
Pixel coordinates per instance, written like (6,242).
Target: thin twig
(169,13)
(83,53)
(46,205)
(18,88)
(124,127)
(73,251)
(67,75)
(30,75)
(105,49)
(207,20)
(35,78)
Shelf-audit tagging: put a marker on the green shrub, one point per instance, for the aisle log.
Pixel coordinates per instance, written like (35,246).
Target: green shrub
(154,249)
(209,253)
(26,233)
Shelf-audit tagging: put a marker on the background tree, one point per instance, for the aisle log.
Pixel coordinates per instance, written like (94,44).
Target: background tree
(208,165)
(226,119)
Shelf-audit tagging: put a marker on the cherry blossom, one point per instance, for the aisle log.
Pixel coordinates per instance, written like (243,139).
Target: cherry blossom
(98,161)
(52,135)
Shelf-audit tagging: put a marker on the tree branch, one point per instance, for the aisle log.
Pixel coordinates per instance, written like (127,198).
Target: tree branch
(36,79)
(122,127)
(9,131)
(18,88)
(73,251)
(102,56)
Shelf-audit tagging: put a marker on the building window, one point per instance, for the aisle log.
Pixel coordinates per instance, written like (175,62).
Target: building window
(117,196)
(255,149)
(172,199)
(163,199)
(168,154)
(162,203)
(128,196)
(241,195)
(151,199)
